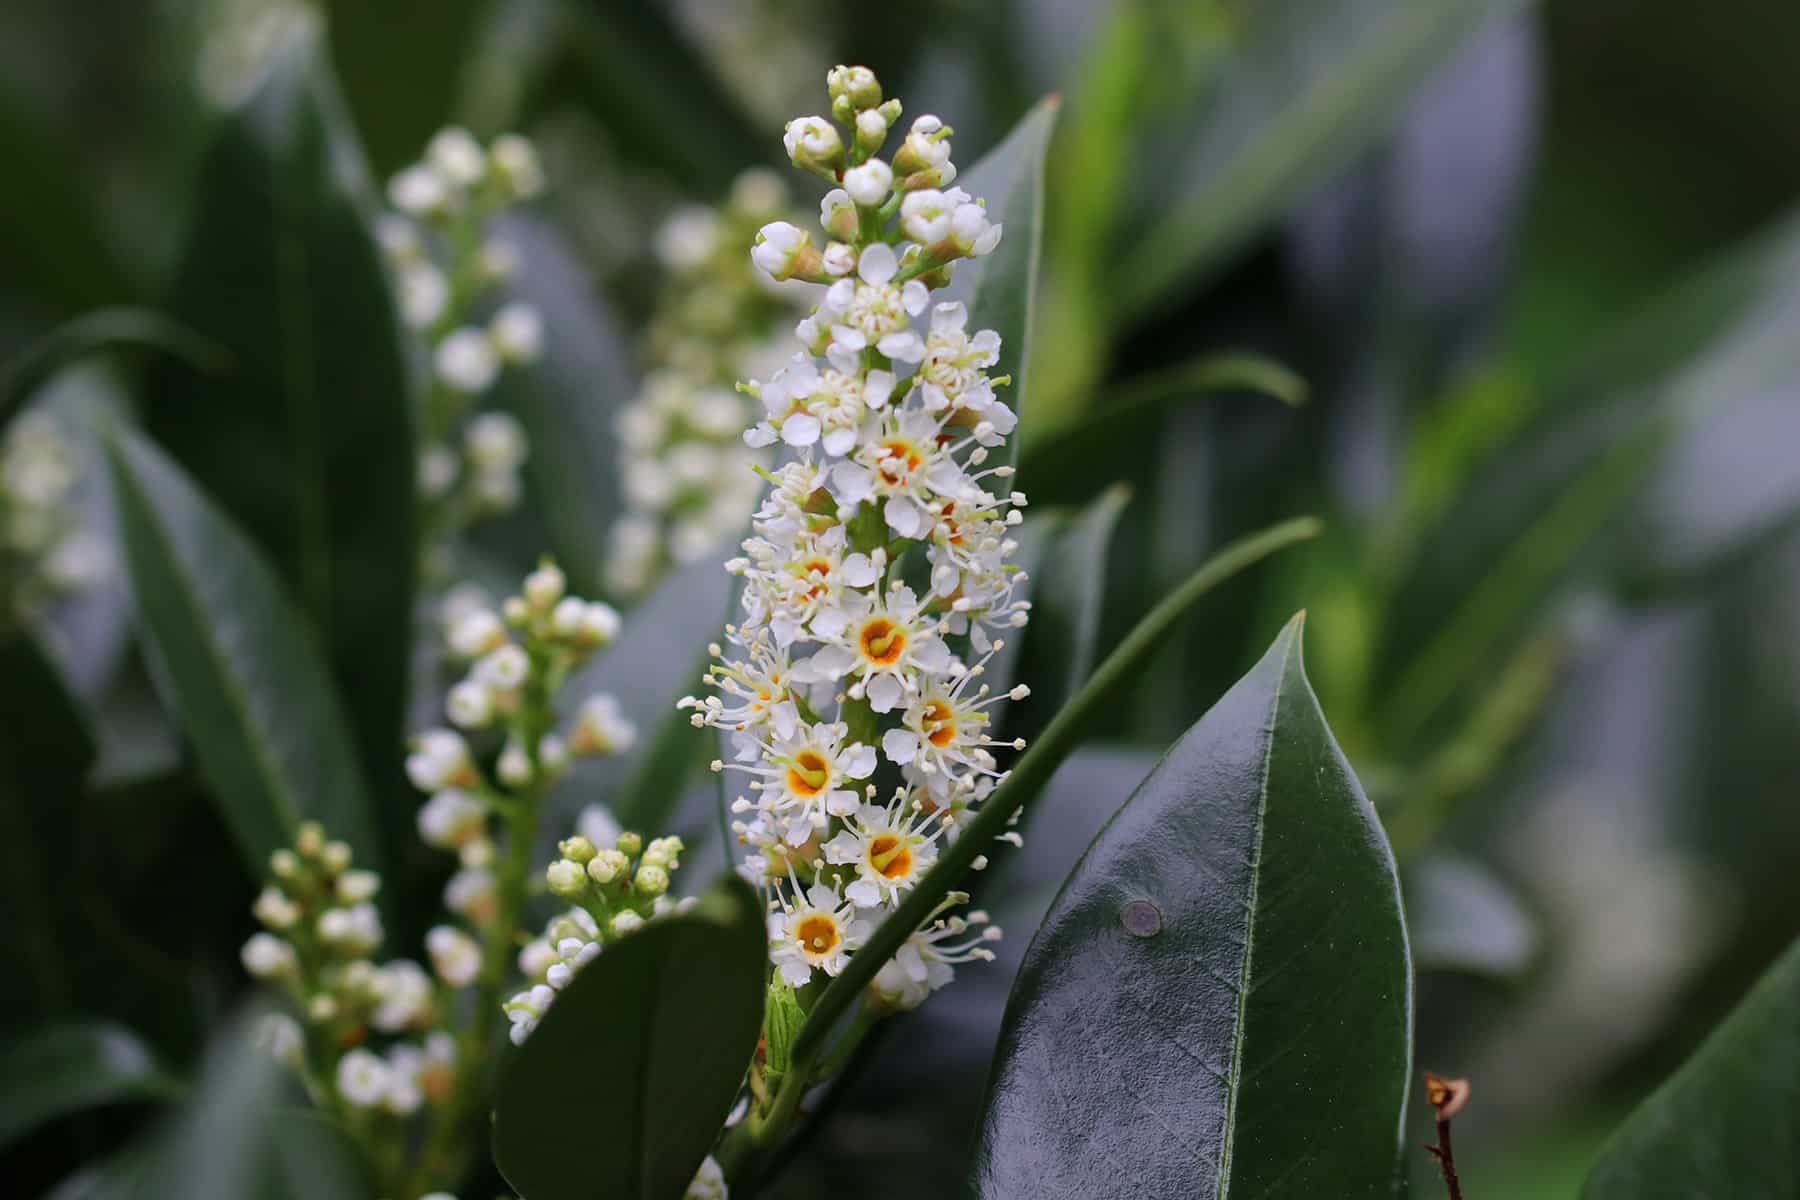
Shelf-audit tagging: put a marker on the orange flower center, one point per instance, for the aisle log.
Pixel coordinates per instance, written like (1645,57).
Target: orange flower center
(939,723)
(898,458)
(882,642)
(817,934)
(808,774)
(889,855)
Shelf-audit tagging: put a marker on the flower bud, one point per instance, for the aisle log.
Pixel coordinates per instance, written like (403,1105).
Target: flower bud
(651,880)
(783,251)
(926,148)
(577,849)
(871,130)
(353,887)
(456,155)
(420,191)
(545,586)
(837,213)
(870,183)
(601,728)
(839,259)
(600,623)
(479,632)
(284,864)
(626,922)
(322,1008)
(266,956)
(440,759)
(664,852)
(309,839)
(470,705)
(281,1038)
(607,866)
(516,166)
(925,216)
(814,145)
(335,857)
(856,85)
(465,361)
(566,879)
(630,844)
(274,909)
(455,956)
(514,765)
(553,754)
(517,333)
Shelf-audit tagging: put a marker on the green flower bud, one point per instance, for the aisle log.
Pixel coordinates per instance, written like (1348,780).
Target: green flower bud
(651,881)
(607,866)
(566,879)
(782,1019)
(856,85)
(664,852)
(629,844)
(577,849)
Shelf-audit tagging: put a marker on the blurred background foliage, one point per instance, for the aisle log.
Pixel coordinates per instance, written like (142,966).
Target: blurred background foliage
(1535,272)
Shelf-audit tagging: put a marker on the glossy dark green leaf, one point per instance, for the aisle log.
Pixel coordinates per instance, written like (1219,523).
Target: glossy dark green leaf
(1461,917)
(1728,1122)
(74,1066)
(651,89)
(1304,87)
(400,62)
(32,367)
(623,1086)
(241,665)
(1224,977)
(567,401)
(307,440)
(1001,289)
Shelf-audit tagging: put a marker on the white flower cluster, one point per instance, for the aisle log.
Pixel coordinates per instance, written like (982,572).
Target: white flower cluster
(849,664)
(446,265)
(320,934)
(518,659)
(43,549)
(684,467)
(614,891)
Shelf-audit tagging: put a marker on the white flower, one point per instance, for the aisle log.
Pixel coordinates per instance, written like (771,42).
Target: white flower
(708,1183)
(869,183)
(516,162)
(424,293)
(890,850)
(820,933)
(517,333)
(470,894)
(807,776)
(353,931)
(601,728)
(440,760)
(420,191)
(494,441)
(927,960)
(362,1078)
(466,362)
(274,909)
(457,156)
(455,956)
(404,995)
(451,818)
(504,668)
(476,632)
(885,643)
(266,956)
(526,1009)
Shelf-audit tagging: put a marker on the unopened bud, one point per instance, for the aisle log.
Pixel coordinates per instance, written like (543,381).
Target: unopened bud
(566,878)
(651,880)
(630,844)
(577,849)
(607,866)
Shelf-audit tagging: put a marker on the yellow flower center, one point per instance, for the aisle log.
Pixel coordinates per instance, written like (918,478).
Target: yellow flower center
(882,642)
(939,724)
(890,856)
(808,774)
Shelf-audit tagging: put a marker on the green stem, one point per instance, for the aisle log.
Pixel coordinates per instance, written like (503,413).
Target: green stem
(750,1144)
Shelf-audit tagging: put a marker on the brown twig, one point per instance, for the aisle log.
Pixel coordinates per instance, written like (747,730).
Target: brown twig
(1447,1096)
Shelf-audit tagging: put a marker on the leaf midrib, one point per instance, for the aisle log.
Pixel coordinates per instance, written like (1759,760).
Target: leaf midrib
(1235,1083)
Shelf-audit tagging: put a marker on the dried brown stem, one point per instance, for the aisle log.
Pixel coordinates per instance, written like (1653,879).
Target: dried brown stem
(1447,1096)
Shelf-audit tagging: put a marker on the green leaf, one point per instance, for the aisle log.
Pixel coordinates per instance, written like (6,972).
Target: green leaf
(1728,1122)
(1713,344)
(74,1066)
(239,661)
(1306,86)
(1225,974)
(1058,462)
(1001,289)
(401,62)
(567,400)
(1029,774)
(43,758)
(308,440)
(242,1138)
(29,369)
(624,1084)
(653,92)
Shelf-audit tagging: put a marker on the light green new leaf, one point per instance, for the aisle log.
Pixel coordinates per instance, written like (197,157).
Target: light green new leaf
(241,666)
(73,1066)
(624,1084)
(307,438)
(1224,977)
(1001,289)
(1728,1122)
(1306,86)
